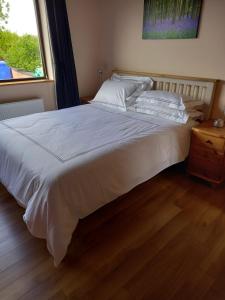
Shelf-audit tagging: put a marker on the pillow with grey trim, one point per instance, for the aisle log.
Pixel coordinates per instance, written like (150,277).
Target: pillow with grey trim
(162,98)
(179,116)
(114,93)
(169,100)
(146,83)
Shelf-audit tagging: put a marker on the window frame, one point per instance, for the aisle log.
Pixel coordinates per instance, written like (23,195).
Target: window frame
(42,51)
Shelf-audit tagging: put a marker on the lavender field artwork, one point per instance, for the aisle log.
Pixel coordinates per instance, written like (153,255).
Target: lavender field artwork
(171,19)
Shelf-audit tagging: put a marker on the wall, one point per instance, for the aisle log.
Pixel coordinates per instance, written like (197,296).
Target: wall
(107,34)
(85,26)
(43,90)
(202,57)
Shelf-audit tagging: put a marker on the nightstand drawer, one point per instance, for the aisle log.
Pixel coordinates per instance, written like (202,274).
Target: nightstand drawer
(206,154)
(206,169)
(208,142)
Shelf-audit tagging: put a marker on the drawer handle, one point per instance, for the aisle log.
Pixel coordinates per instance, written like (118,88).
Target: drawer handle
(209,142)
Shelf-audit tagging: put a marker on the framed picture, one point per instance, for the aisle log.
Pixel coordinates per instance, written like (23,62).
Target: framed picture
(171,19)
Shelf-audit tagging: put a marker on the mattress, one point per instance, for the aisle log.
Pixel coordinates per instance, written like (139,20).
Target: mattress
(63,165)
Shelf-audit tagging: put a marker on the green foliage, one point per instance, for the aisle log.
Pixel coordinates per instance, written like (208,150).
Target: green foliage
(4,13)
(20,52)
(7,39)
(24,54)
(171,9)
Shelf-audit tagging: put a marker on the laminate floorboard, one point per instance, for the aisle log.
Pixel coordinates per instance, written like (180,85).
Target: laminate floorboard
(164,240)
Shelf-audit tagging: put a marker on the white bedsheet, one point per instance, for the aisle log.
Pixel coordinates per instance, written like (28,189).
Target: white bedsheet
(63,165)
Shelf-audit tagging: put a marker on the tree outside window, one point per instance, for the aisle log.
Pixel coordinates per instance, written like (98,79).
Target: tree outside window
(19,41)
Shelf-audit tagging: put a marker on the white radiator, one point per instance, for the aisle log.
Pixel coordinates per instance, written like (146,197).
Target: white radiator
(20,108)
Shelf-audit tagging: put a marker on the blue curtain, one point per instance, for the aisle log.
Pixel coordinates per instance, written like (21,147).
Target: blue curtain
(65,71)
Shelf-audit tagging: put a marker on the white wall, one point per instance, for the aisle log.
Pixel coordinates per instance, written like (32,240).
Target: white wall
(85,19)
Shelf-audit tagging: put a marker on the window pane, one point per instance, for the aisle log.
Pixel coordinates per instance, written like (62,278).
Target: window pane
(20,55)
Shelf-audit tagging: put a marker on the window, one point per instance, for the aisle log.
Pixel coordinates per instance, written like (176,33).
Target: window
(21,56)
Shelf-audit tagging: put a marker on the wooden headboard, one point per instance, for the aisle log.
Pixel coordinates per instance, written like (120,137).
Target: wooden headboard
(195,88)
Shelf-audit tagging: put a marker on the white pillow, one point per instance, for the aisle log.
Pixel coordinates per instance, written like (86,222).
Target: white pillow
(162,98)
(178,116)
(113,93)
(146,83)
(169,100)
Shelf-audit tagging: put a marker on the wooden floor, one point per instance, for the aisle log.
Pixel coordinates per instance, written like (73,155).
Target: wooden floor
(165,240)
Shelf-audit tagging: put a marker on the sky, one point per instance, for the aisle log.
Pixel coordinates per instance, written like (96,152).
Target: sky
(22,18)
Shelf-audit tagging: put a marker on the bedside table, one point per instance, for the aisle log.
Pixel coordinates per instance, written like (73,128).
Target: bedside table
(207,153)
(86,99)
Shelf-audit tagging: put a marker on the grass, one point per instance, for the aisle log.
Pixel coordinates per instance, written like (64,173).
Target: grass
(185,34)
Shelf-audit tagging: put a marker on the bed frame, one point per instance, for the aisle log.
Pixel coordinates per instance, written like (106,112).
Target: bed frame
(195,88)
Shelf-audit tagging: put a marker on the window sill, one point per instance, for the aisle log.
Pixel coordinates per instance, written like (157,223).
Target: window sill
(26,82)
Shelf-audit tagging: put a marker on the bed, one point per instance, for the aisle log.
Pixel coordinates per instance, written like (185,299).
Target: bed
(63,165)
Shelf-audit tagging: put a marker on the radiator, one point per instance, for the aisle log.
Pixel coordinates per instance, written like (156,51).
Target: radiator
(20,108)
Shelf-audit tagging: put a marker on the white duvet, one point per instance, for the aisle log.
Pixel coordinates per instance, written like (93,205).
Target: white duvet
(63,165)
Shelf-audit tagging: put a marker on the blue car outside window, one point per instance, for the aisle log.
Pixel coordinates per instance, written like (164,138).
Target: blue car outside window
(5,71)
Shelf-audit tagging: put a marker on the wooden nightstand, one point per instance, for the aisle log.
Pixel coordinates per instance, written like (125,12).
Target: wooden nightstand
(86,99)
(207,152)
